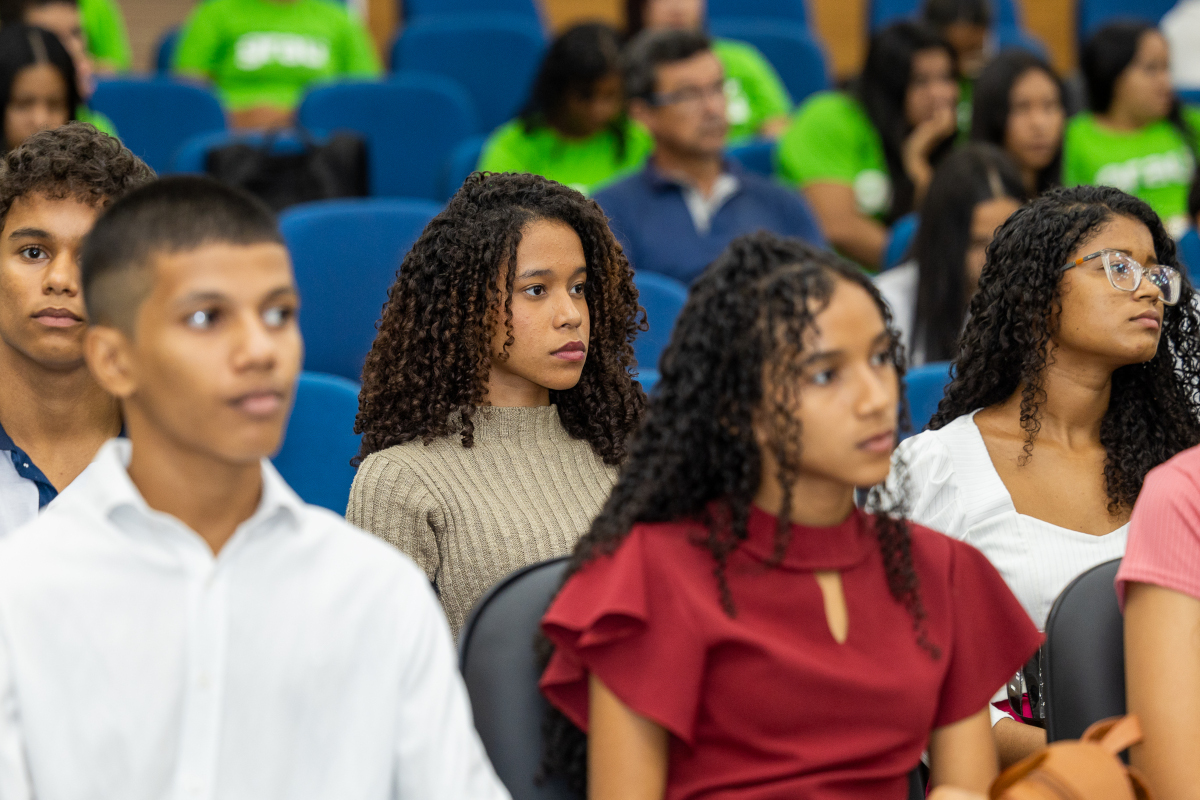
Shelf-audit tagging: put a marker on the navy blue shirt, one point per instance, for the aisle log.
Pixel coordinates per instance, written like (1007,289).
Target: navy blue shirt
(27,469)
(650,218)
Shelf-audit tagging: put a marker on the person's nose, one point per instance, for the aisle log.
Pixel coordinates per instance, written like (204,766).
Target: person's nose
(256,346)
(62,275)
(877,390)
(567,312)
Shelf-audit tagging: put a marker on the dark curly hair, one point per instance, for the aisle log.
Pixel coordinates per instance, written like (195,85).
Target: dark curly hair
(1154,409)
(696,456)
(75,161)
(427,372)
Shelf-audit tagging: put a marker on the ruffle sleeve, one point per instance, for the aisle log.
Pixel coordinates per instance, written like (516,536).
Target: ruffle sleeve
(624,618)
(932,484)
(991,636)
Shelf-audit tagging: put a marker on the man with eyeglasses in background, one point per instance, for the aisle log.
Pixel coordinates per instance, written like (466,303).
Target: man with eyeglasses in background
(678,214)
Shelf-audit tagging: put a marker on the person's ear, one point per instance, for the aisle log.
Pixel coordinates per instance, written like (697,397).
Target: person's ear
(107,351)
(641,111)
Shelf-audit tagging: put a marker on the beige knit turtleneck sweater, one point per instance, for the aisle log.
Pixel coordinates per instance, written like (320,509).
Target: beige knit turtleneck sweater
(525,492)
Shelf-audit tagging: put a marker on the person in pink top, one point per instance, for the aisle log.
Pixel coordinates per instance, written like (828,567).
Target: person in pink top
(1159,584)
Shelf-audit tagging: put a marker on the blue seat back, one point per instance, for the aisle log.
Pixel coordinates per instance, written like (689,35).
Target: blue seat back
(495,57)
(164,51)
(1010,37)
(885,12)
(1189,254)
(756,155)
(900,239)
(789,47)
(157,115)
(663,298)
(192,155)
(417,10)
(410,123)
(346,254)
(320,441)
(775,10)
(462,162)
(924,387)
(1093,14)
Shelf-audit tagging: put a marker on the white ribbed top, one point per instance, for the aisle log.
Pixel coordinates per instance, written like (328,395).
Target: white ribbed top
(955,489)
(525,492)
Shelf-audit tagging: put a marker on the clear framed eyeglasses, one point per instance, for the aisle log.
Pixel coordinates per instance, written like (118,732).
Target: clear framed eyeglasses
(1126,274)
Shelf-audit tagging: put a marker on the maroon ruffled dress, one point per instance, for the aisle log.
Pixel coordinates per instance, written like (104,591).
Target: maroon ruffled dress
(767,704)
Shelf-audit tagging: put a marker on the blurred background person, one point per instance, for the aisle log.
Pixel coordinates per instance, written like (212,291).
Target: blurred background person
(574,128)
(37,83)
(262,56)
(1020,106)
(678,214)
(1135,135)
(965,25)
(973,192)
(864,157)
(757,103)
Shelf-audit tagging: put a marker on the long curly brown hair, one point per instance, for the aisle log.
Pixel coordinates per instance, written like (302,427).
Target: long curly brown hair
(427,372)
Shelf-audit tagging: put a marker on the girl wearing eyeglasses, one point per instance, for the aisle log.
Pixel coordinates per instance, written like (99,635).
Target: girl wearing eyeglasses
(732,626)
(1077,372)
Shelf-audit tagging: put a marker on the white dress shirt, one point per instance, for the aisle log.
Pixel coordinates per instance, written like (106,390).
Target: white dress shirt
(307,660)
(898,286)
(955,489)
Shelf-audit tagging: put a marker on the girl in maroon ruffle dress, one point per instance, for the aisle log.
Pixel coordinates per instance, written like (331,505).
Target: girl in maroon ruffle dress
(732,625)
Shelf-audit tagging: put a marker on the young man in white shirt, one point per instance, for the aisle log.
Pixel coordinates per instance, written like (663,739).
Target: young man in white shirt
(179,623)
(53,414)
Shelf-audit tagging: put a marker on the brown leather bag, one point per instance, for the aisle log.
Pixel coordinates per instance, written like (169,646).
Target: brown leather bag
(1087,769)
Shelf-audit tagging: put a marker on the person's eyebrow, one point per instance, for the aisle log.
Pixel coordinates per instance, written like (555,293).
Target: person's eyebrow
(30,233)
(281,291)
(534,273)
(824,355)
(883,336)
(201,297)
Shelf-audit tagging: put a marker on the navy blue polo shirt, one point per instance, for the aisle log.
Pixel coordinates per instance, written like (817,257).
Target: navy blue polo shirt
(27,469)
(650,217)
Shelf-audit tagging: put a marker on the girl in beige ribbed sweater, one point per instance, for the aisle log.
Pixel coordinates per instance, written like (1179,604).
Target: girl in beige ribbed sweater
(497,397)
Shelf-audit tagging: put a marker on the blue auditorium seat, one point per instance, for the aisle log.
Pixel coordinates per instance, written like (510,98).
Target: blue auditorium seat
(416,10)
(346,254)
(663,298)
(1189,254)
(495,57)
(320,441)
(792,11)
(462,162)
(756,155)
(1010,37)
(192,155)
(924,387)
(1093,14)
(789,47)
(164,51)
(885,12)
(157,115)
(411,124)
(900,239)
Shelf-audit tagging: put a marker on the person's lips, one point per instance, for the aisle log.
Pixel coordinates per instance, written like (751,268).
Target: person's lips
(57,317)
(571,351)
(259,403)
(1149,319)
(880,443)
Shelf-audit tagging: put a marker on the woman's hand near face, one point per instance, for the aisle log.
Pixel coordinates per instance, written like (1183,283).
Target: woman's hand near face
(962,755)
(925,137)
(627,753)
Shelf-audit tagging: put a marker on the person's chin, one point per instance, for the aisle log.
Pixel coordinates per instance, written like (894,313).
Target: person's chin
(563,378)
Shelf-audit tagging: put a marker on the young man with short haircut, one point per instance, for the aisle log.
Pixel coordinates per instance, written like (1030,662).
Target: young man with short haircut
(678,214)
(53,414)
(180,624)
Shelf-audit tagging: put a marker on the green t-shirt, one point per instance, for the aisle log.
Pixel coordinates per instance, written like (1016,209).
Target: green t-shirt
(1153,163)
(264,53)
(831,140)
(755,93)
(107,38)
(96,120)
(583,164)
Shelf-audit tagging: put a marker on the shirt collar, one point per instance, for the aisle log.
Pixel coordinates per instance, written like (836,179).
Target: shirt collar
(27,469)
(660,180)
(109,488)
(837,547)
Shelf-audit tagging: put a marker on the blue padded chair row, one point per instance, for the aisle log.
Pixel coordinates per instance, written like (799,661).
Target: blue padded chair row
(924,388)
(789,11)
(1093,14)
(462,162)
(346,254)
(1188,251)
(320,441)
(663,298)
(157,115)
(192,155)
(493,56)
(421,10)
(885,12)
(900,240)
(755,155)
(411,124)
(790,48)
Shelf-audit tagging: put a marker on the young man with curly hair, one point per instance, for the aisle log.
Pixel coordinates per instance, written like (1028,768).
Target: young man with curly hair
(180,624)
(497,398)
(53,414)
